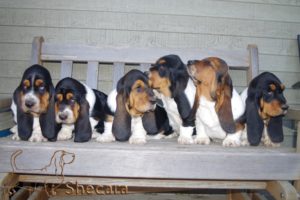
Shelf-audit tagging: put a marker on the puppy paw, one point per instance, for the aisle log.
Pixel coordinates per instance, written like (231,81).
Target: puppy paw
(185,140)
(232,140)
(37,137)
(15,136)
(245,143)
(173,135)
(137,140)
(95,134)
(156,137)
(105,138)
(64,135)
(269,143)
(202,140)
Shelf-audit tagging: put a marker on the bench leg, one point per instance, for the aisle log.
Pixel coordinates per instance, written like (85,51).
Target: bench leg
(282,190)
(297,182)
(7,181)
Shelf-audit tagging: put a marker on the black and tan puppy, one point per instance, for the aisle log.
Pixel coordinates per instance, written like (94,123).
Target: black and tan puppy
(33,106)
(265,107)
(169,77)
(130,102)
(80,109)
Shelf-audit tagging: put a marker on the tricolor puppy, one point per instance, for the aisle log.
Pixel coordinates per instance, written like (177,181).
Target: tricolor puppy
(79,109)
(169,77)
(33,106)
(265,107)
(217,104)
(133,104)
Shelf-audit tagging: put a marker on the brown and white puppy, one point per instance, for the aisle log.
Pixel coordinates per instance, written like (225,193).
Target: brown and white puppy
(217,104)
(169,77)
(80,109)
(130,102)
(33,106)
(265,107)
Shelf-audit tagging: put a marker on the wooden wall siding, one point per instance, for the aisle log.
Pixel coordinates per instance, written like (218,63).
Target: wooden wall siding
(271,24)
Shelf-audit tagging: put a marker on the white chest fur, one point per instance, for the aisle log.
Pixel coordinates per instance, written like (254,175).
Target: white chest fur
(172,108)
(207,119)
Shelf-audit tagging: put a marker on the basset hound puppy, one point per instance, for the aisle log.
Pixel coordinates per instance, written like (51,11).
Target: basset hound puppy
(170,79)
(135,113)
(265,107)
(79,109)
(217,103)
(33,106)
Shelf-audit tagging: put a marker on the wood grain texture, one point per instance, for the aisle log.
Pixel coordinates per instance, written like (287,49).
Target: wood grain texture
(149,183)
(223,9)
(66,69)
(155,160)
(148,22)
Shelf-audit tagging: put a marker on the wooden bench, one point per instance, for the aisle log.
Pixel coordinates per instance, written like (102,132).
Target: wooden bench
(159,165)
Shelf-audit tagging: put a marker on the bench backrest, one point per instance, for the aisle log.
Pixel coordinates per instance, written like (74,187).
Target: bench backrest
(246,59)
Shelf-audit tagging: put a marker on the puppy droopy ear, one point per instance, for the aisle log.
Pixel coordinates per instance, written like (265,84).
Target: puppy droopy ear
(24,120)
(83,129)
(254,122)
(275,129)
(223,104)
(121,127)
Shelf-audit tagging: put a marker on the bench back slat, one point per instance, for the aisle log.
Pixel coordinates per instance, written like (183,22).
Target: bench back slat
(92,74)
(66,68)
(145,66)
(118,72)
(244,59)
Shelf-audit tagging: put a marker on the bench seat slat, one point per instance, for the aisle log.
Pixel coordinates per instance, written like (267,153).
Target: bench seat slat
(156,159)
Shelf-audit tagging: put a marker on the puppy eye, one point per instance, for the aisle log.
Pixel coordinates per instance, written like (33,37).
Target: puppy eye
(139,89)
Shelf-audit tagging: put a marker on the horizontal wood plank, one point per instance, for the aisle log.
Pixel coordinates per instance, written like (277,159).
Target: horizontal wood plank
(234,58)
(148,22)
(157,159)
(138,182)
(222,9)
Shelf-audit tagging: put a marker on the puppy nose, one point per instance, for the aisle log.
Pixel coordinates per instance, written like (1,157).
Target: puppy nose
(63,116)
(153,100)
(284,107)
(29,103)
(191,62)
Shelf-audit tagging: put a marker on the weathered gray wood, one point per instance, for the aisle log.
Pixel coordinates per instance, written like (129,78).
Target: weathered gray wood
(184,24)
(36,50)
(261,11)
(118,72)
(282,190)
(253,59)
(92,74)
(234,58)
(5,103)
(66,69)
(156,159)
(140,182)
(145,67)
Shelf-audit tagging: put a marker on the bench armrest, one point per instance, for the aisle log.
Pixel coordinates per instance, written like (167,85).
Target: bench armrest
(294,114)
(5,103)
